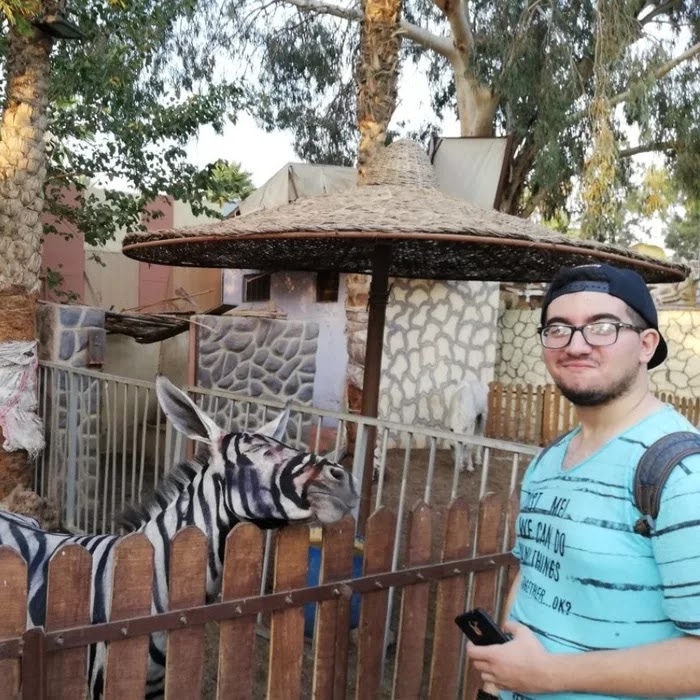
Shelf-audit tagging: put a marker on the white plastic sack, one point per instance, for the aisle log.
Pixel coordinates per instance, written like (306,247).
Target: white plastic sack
(21,426)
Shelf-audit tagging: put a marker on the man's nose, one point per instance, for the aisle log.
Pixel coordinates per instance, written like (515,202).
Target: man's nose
(578,343)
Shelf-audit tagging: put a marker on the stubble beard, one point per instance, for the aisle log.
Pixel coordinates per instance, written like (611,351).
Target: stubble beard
(599,396)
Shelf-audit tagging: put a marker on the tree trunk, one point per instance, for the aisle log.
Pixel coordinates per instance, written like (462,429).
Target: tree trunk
(22,176)
(476,105)
(377,74)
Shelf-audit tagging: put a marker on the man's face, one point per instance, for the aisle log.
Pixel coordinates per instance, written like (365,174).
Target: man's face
(593,376)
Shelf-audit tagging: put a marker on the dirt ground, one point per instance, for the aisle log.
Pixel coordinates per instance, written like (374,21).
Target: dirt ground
(468,485)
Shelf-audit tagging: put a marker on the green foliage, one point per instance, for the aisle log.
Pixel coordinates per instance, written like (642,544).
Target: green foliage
(54,282)
(682,235)
(17,12)
(537,56)
(657,204)
(226,182)
(307,85)
(123,105)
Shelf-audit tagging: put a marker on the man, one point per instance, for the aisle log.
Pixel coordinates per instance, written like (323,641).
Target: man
(597,609)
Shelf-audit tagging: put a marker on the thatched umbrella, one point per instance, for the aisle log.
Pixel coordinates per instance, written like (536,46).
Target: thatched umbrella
(396,224)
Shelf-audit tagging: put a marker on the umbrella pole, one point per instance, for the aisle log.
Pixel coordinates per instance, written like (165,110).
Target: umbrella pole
(378,297)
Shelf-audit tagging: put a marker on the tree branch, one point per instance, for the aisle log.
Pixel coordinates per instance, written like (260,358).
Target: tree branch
(426,39)
(647,148)
(661,71)
(457,14)
(649,16)
(417,34)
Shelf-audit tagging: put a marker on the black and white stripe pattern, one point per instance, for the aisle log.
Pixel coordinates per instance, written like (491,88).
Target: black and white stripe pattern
(252,477)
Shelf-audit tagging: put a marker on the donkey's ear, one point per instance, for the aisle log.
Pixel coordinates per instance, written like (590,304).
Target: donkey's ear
(185,416)
(277,427)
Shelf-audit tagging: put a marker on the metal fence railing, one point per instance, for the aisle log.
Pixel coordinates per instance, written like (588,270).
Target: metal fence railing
(108,444)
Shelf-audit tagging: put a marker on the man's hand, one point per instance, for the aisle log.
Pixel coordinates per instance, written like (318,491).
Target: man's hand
(522,664)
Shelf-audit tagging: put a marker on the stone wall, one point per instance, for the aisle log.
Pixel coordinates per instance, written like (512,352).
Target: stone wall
(265,358)
(73,336)
(519,358)
(437,334)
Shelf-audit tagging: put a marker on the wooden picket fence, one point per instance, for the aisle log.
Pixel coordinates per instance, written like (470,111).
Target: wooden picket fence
(50,662)
(537,414)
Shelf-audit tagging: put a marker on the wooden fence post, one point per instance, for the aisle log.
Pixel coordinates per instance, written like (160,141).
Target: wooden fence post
(379,543)
(13,604)
(68,605)
(450,601)
(34,664)
(415,600)
(331,635)
(242,577)
(131,596)
(187,588)
(485,582)
(287,627)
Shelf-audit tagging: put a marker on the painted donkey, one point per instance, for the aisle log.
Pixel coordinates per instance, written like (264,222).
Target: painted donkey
(245,477)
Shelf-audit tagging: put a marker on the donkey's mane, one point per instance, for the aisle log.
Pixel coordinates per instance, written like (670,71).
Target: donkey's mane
(178,478)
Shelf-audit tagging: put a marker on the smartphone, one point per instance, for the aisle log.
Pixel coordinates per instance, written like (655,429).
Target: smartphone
(480,628)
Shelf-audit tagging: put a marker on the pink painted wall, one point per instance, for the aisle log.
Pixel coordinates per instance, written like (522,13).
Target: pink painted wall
(154,280)
(65,256)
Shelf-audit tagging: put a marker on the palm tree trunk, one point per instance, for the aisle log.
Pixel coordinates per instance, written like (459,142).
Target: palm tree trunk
(377,76)
(22,176)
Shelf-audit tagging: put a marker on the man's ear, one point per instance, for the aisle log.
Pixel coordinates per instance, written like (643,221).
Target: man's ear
(650,340)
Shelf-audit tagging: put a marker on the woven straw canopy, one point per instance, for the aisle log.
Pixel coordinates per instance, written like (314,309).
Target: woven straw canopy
(432,235)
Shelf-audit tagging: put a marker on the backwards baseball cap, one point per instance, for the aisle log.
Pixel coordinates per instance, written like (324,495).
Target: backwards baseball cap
(627,285)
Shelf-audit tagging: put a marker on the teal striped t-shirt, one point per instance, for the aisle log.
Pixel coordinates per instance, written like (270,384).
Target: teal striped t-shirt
(588,581)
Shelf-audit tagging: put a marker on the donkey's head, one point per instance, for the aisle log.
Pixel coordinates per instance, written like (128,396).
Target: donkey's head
(266,481)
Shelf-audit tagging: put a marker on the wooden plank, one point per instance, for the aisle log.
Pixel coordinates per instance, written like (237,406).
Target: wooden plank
(519,417)
(13,620)
(287,626)
(131,596)
(379,544)
(493,420)
(508,416)
(13,604)
(556,413)
(530,416)
(331,635)
(485,582)
(450,601)
(187,588)
(491,410)
(499,412)
(547,406)
(568,415)
(540,417)
(68,605)
(34,664)
(415,599)
(242,575)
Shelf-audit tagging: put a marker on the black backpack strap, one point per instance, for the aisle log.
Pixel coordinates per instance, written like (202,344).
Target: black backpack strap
(653,470)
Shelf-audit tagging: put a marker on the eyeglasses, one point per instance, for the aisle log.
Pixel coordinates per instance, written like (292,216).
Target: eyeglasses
(599,334)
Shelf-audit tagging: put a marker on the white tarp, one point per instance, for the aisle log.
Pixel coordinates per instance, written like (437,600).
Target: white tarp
(470,168)
(296,180)
(21,425)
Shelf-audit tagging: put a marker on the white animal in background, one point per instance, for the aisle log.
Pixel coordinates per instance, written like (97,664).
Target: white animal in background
(466,415)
